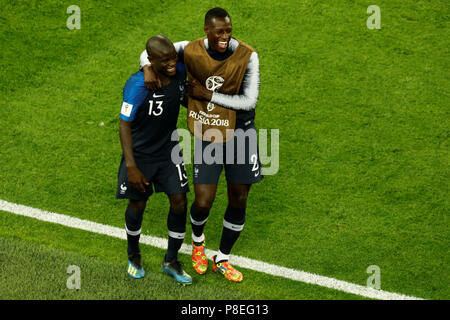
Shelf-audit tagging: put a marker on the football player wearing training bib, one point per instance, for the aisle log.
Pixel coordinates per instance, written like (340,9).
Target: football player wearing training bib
(148,119)
(223,89)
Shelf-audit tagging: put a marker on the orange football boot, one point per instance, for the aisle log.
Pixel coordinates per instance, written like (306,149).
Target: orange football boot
(199,260)
(227,270)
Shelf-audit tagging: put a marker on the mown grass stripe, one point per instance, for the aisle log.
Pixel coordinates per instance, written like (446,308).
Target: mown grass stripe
(260,266)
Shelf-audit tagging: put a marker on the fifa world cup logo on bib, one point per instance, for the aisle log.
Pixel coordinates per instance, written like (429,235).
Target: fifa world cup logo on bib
(213,83)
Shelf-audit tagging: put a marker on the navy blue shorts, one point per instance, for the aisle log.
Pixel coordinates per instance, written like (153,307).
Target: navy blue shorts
(164,176)
(239,157)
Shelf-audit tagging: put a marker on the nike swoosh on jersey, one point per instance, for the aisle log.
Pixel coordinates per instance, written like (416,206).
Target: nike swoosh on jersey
(159,96)
(183,184)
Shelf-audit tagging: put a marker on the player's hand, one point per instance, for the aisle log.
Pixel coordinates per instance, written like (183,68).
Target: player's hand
(197,91)
(151,79)
(136,179)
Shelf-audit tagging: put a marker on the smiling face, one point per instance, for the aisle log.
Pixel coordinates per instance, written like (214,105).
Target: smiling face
(218,32)
(164,60)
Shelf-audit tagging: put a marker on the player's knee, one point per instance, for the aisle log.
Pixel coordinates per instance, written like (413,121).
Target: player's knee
(238,198)
(134,216)
(238,194)
(204,203)
(178,203)
(138,205)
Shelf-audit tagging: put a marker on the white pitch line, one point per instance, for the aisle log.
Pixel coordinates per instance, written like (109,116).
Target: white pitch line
(260,266)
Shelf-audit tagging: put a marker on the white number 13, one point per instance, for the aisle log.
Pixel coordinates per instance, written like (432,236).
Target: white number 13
(159,108)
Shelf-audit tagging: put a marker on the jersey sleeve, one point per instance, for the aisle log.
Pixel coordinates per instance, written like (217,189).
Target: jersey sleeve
(250,89)
(134,94)
(143,60)
(179,48)
(181,68)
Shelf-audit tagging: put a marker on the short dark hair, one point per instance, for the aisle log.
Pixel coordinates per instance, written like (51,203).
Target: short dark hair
(158,43)
(216,13)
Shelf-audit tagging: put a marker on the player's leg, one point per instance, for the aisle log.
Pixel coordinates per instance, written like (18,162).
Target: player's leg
(206,177)
(233,224)
(133,224)
(171,179)
(240,176)
(176,225)
(234,218)
(133,217)
(204,199)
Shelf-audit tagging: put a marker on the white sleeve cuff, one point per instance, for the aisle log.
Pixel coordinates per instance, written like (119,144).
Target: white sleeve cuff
(144,59)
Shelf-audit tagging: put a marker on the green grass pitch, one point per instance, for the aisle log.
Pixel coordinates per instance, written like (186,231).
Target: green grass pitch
(363,120)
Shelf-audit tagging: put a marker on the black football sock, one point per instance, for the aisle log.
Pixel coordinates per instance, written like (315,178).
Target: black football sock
(133,224)
(199,216)
(233,223)
(176,224)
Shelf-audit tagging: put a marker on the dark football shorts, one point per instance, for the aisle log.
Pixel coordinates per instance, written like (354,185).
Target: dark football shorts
(239,156)
(163,177)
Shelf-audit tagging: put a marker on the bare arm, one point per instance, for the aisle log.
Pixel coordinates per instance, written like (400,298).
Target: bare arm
(151,79)
(135,176)
(126,142)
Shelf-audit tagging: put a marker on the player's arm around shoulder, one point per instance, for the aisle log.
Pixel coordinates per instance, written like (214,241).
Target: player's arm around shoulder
(250,89)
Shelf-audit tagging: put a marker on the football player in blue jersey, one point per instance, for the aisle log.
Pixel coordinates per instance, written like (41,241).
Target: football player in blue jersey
(147,123)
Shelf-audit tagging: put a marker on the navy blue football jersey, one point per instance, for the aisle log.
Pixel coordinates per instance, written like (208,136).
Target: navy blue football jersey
(153,115)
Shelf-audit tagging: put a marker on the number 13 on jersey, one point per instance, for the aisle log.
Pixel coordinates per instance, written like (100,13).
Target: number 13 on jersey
(158,110)
(181,171)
